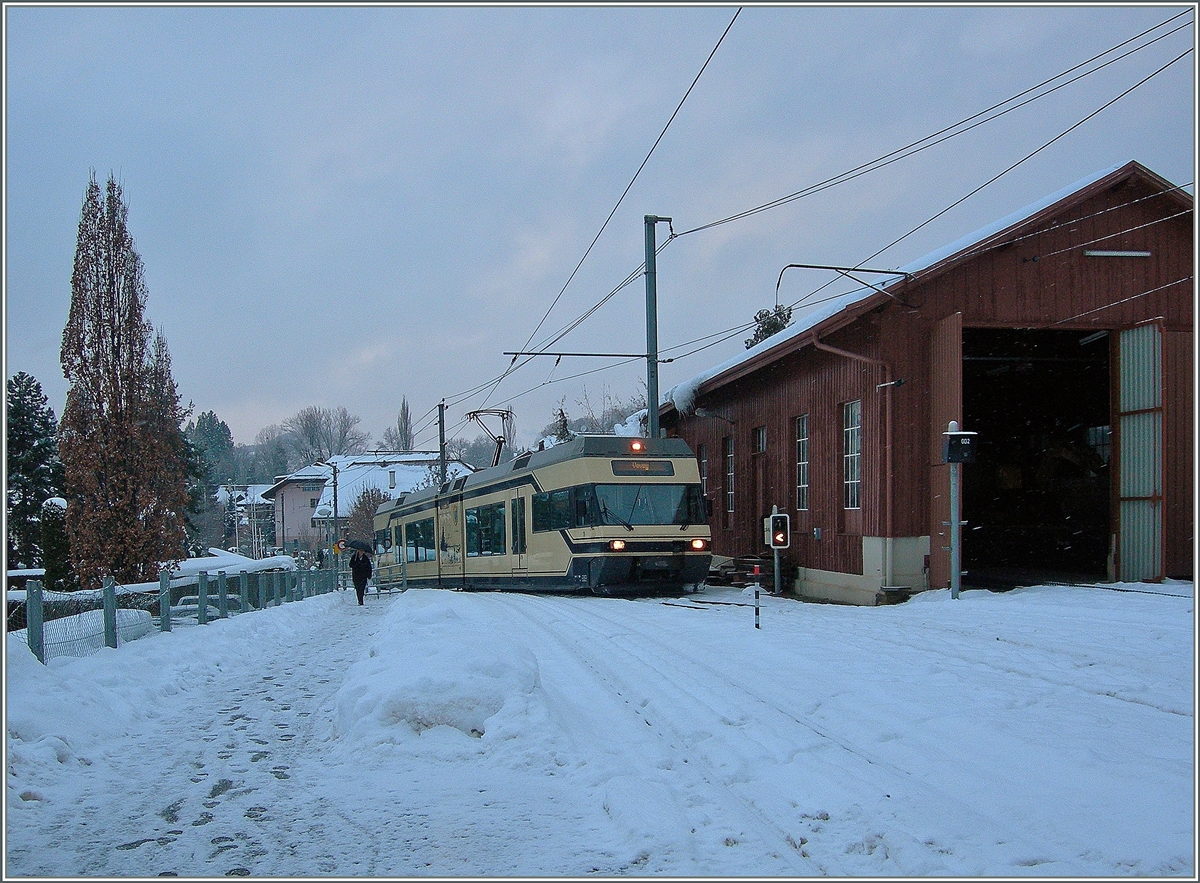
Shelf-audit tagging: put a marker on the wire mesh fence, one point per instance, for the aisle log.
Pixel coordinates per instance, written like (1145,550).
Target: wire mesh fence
(80,623)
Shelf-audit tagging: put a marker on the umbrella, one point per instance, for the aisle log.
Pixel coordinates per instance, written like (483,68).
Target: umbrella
(359,544)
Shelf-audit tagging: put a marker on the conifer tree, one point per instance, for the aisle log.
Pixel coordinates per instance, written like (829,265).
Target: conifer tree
(56,551)
(769,322)
(123,451)
(34,470)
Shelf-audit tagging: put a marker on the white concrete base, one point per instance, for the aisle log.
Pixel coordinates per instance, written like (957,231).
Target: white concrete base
(908,571)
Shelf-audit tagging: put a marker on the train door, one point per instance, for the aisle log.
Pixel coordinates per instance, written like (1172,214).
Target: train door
(520,547)
(450,544)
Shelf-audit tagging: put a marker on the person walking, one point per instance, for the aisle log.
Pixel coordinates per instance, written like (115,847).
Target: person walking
(360,570)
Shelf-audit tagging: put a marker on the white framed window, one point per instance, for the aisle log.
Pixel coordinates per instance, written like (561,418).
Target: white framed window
(802,462)
(702,456)
(727,443)
(759,440)
(852,455)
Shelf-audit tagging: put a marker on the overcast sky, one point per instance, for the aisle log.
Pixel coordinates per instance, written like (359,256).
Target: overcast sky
(340,206)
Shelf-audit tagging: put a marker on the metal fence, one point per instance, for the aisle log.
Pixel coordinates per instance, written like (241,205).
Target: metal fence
(79,623)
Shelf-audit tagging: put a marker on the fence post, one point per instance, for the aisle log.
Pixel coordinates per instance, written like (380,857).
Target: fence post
(242,591)
(164,601)
(34,619)
(287,587)
(110,612)
(202,598)
(262,590)
(222,601)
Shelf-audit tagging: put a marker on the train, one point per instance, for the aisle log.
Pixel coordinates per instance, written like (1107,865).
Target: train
(610,515)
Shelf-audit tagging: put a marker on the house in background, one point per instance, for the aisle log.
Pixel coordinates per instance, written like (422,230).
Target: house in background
(294,499)
(1062,334)
(304,500)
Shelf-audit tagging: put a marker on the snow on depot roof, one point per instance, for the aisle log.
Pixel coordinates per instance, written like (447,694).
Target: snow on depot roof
(634,425)
(683,395)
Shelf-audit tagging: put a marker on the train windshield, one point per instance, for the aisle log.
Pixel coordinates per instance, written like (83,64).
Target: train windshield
(633,504)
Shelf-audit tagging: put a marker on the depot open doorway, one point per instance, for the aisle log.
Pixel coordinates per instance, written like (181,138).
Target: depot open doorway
(1038,498)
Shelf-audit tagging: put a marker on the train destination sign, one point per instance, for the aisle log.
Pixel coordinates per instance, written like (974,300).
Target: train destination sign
(643,467)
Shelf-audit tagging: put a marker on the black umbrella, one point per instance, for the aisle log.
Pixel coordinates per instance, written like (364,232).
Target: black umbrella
(359,544)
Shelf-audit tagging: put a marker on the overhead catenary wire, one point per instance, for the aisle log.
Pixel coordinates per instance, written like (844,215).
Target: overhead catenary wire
(621,199)
(936,138)
(901,153)
(951,131)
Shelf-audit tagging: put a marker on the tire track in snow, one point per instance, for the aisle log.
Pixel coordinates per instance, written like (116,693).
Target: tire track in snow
(688,676)
(717,791)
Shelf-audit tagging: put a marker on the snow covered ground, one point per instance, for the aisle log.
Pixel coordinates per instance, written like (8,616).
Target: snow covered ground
(1043,732)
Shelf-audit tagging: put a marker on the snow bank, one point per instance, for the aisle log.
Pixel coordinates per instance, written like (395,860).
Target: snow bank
(432,676)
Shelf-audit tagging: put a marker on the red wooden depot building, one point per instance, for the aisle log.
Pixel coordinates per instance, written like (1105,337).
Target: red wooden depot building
(1061,334)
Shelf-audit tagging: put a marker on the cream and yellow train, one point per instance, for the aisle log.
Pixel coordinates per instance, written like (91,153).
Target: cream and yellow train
(606,514)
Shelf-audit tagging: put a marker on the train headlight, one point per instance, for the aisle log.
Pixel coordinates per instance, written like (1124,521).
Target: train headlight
(637,446)
(617,545)
(699,545)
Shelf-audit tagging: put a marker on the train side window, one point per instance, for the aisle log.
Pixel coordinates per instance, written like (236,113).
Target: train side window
(420,545)
(541,512)
(561,514)
(485,530)
(519,545)
(553,511)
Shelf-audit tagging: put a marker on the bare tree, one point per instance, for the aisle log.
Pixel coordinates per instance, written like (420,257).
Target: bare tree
(343,437)
(360,525)
(315,433)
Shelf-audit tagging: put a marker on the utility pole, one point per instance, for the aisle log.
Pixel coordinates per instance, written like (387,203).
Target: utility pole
(442,441)
(336,534)
(652,327)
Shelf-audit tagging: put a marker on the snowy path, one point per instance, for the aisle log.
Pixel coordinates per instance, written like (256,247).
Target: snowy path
(221,796)
(1047,732)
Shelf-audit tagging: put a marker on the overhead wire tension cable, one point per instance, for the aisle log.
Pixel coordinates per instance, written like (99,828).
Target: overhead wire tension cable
(624,193)
(948,132)
(1034,153)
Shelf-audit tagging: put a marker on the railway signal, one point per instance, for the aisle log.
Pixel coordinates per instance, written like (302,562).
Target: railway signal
(781,534)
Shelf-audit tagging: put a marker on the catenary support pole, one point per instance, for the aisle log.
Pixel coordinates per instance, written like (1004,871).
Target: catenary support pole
(652,326)
(442,441)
